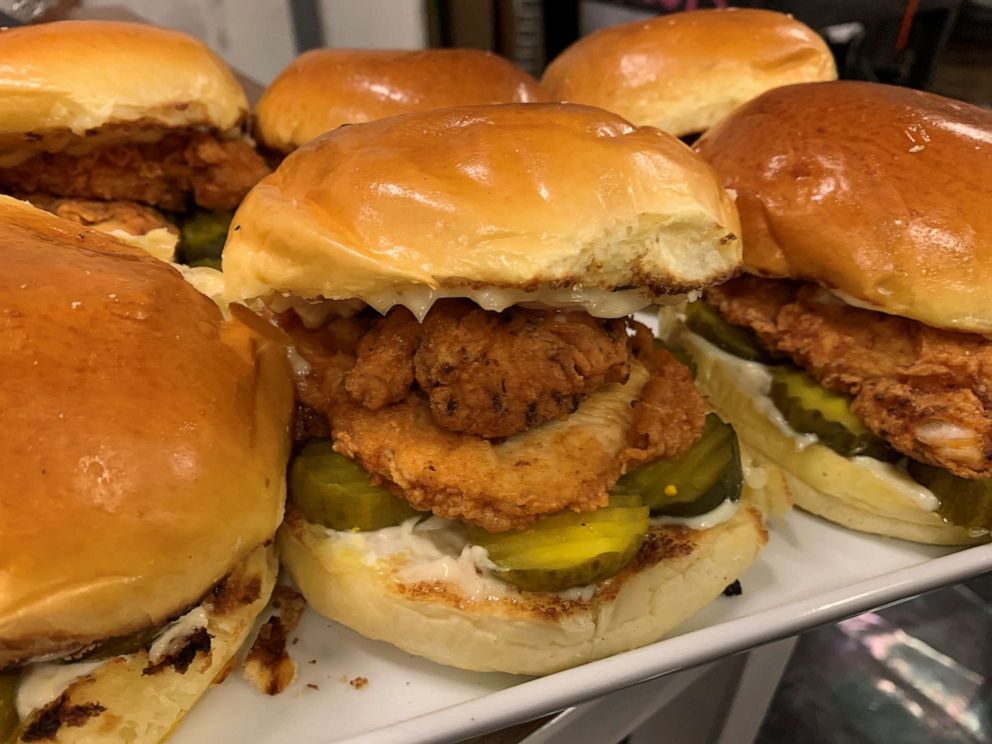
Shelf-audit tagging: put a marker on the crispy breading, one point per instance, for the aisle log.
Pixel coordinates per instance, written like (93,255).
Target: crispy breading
(214,173)
(567,463)
(924,390)
(670,412)
(383,371)
(129,216)
(488,373)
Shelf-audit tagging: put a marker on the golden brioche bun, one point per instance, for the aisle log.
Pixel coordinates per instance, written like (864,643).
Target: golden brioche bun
(823,482)
(684,72)
(880,193)
(143,708)
(509,197)
(82,75)
(325,88)
(677,572)
(144,439)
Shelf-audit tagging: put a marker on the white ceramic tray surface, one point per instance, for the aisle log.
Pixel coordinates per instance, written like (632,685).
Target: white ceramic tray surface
(812,572)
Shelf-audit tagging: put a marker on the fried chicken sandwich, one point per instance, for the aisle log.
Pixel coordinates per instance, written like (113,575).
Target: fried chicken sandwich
(324,89)
(130,129)
(684,72)
(143,452)
(855,354)
(498,468)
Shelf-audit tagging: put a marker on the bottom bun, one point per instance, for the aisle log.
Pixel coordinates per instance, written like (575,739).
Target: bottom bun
(123,700)
(866,496)
(481,624)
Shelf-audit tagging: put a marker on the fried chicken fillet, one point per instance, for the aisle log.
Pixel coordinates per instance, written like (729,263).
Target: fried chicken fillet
(490,374)
(106,216)
(923,390)
(178,168)
(477,416)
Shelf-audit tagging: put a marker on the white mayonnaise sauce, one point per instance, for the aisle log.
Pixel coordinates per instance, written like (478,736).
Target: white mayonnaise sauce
(435,550)
(174,637)
(899,480)
(723,513)
(297,363)
(755,379)
(40,684)
(419,299)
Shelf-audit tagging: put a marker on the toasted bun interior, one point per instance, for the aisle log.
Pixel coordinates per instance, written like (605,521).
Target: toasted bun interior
(877,192)
(144,440)
(880,501)
(78,76)
(512,197)
(677,572)
(325,88)
(686,71)
(144,708)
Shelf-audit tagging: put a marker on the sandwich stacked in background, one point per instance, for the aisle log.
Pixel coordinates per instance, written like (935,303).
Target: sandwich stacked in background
(328,88)
(856,354)
(143,452)
(499,468)
(130,129)
(684,72)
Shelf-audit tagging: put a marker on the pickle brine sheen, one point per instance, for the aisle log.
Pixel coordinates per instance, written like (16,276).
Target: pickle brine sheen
(567,549)
(331,490)
(963,502)
(695,482)
(812,409)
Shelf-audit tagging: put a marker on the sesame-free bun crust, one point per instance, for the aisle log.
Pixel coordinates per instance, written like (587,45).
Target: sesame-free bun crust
(516,196)
(880,193)
(79,76)
(684,72)
(144,439)
(677,572)
(325,88)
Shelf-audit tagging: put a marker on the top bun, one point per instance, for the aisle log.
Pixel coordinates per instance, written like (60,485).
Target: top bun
(77,76)
(521,197)
(326,88)
(684,72)
(880,193)
(144,438)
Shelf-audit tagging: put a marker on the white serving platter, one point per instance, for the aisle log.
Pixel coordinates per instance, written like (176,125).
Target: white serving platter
(812,572)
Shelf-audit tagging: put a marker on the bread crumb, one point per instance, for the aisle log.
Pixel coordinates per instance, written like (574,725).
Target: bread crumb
(359,682)
(268,666)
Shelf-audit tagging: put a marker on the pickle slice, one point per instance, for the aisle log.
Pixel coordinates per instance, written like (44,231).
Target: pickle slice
(695,482)
(8,704)
(331,490)
(963,502)
(567,549)
(202,235)
(121,645)
(812,409)
(704,321)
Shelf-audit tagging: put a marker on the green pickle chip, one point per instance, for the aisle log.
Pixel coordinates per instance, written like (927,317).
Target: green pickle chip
(963,502)
(331,490)
(812,409)
(202,234)
(695,482)
(567,549)
(704,321)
